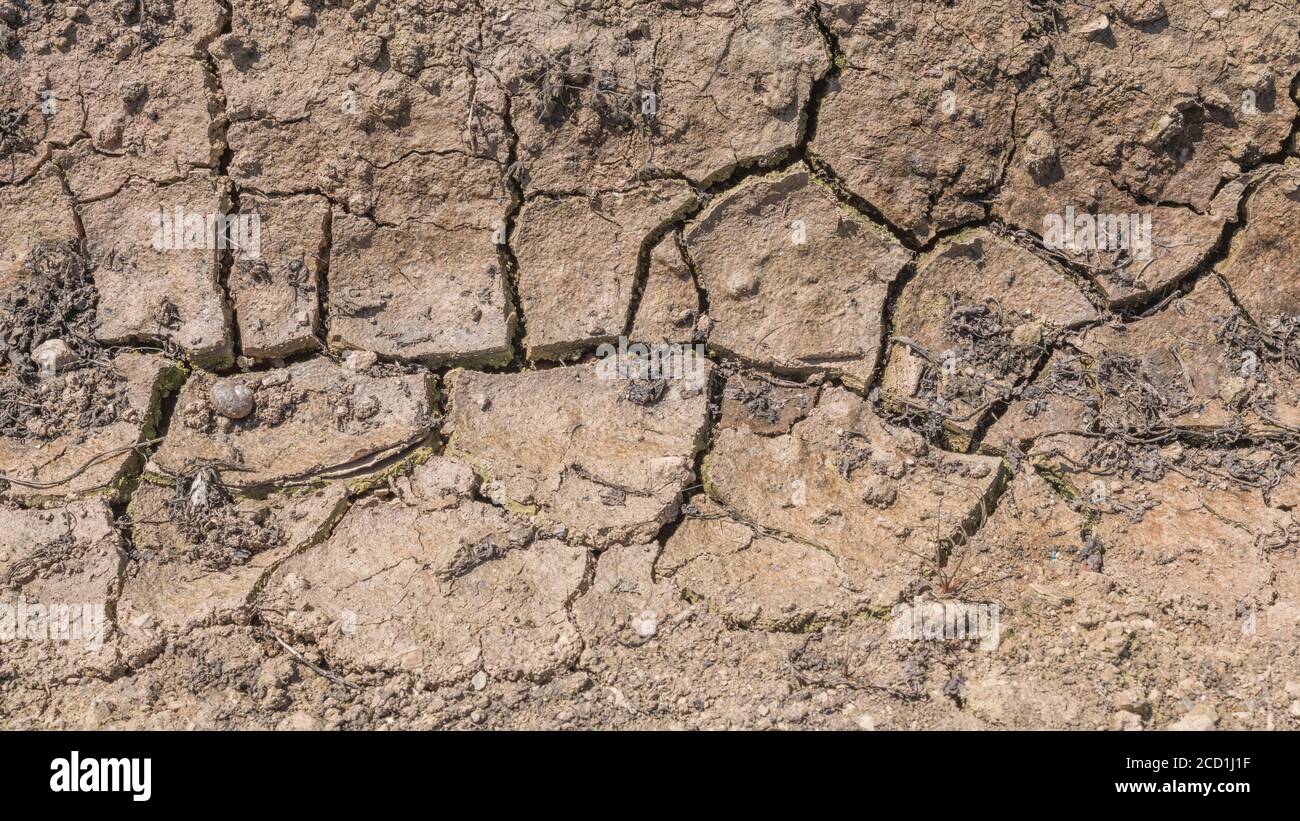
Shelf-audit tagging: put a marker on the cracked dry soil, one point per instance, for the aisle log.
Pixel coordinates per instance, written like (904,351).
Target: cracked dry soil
(305,400)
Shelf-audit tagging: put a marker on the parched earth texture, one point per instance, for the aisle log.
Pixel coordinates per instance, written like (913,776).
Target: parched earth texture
(306,398)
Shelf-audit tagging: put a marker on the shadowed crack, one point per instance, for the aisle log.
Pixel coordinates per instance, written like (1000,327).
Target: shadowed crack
(518,328)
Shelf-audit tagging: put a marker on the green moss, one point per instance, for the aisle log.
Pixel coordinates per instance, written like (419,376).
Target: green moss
(403,467)
(1062,487)
(170,378)
(706,480)
(800,624)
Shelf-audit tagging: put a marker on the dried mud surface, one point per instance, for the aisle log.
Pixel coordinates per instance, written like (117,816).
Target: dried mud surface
(369,466)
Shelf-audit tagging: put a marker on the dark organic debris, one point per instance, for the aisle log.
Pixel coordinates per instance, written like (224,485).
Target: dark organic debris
(759,402)
(953,687)
(565,88)
(77,401)
(55,298)
(852,452)
(1093,553)
(470,556)
(1276,340)
(12,139)
(48,559)
(219,535)
(983,338)
(646,392)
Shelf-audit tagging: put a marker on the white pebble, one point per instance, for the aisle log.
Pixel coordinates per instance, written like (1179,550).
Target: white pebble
(52,356)
(360,360)
(646,625)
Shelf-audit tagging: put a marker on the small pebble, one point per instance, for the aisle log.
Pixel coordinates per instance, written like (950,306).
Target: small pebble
(52,356)
(360,360)
(231,399)
(646,625)
(275,378)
